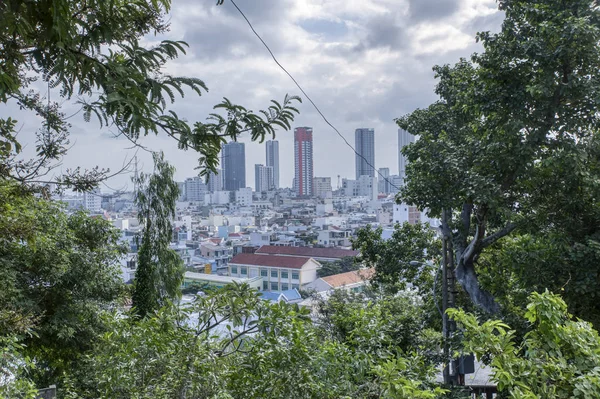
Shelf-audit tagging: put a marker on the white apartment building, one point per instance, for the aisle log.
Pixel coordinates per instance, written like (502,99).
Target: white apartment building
(335,238)
(92,201)
(195,189)
(263,177)
(243,196)
(279,273)
(321,186)
(217,198)
(365,186)
(406,213)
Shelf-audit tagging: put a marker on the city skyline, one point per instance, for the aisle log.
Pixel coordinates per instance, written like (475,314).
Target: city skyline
(363,63)
(364,140)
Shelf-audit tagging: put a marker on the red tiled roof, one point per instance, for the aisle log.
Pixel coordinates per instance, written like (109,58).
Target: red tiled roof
(348,278)
(290,262)
(334,253)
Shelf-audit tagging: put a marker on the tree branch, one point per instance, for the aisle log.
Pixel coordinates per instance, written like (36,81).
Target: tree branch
(486,242)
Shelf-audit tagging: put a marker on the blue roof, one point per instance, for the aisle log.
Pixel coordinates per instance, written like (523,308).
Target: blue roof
(271,296)
(292,295)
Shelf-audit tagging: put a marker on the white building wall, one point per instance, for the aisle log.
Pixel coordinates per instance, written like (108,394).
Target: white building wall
(243,196)
(273,159)
(92,201)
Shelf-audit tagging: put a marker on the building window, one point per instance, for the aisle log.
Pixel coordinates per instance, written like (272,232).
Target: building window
(265,285)
(295,276)
(284,287)
(273,273)
(296,286)
(274,286)
(233,269)
(264,273)
(284,275)
(244,271)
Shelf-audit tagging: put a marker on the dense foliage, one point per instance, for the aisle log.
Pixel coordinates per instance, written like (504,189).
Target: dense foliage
(508,157)
(408,259)
(231,344)
(159,275)
(59,273)
(512,145)
(346,264)
(558,358)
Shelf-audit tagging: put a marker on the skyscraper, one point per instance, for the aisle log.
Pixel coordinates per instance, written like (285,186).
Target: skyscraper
(384,182)
(263,176)
(364,140)
(233,161)
(303,161)
(273,160)
(215,181)
(404,139)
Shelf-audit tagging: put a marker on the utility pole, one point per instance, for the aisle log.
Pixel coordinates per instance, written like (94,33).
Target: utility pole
(450,372)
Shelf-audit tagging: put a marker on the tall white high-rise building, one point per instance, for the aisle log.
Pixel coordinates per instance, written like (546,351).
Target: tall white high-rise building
(263,177)
(404,139)
(215,181)
(195,189)
(273,160)
(364,140)
(303,161)
(384,181)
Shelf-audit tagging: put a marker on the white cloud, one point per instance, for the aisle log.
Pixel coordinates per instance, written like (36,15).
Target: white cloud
(364,62)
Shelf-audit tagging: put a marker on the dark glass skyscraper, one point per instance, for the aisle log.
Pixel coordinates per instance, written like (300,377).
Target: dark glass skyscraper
(233,163)
(365,148)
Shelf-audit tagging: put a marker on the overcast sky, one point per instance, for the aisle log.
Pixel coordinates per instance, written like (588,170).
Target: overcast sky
(364,62)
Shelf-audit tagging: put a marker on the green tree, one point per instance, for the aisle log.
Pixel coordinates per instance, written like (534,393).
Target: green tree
(92,50)
(160,270)
(558,358)
(377,324)
(59,274)
(346,264)
(14,381)
(231,344)
(512,143)
(410,256)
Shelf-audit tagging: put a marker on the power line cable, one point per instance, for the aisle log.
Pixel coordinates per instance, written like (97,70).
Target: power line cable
(307,96)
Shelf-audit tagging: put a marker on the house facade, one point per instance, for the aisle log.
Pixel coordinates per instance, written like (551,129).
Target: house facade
(278,273)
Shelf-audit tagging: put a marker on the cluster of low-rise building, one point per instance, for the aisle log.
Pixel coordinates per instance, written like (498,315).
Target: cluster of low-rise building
(273,238)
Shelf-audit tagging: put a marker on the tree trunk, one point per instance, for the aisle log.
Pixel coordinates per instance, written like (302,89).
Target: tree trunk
(466,276)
